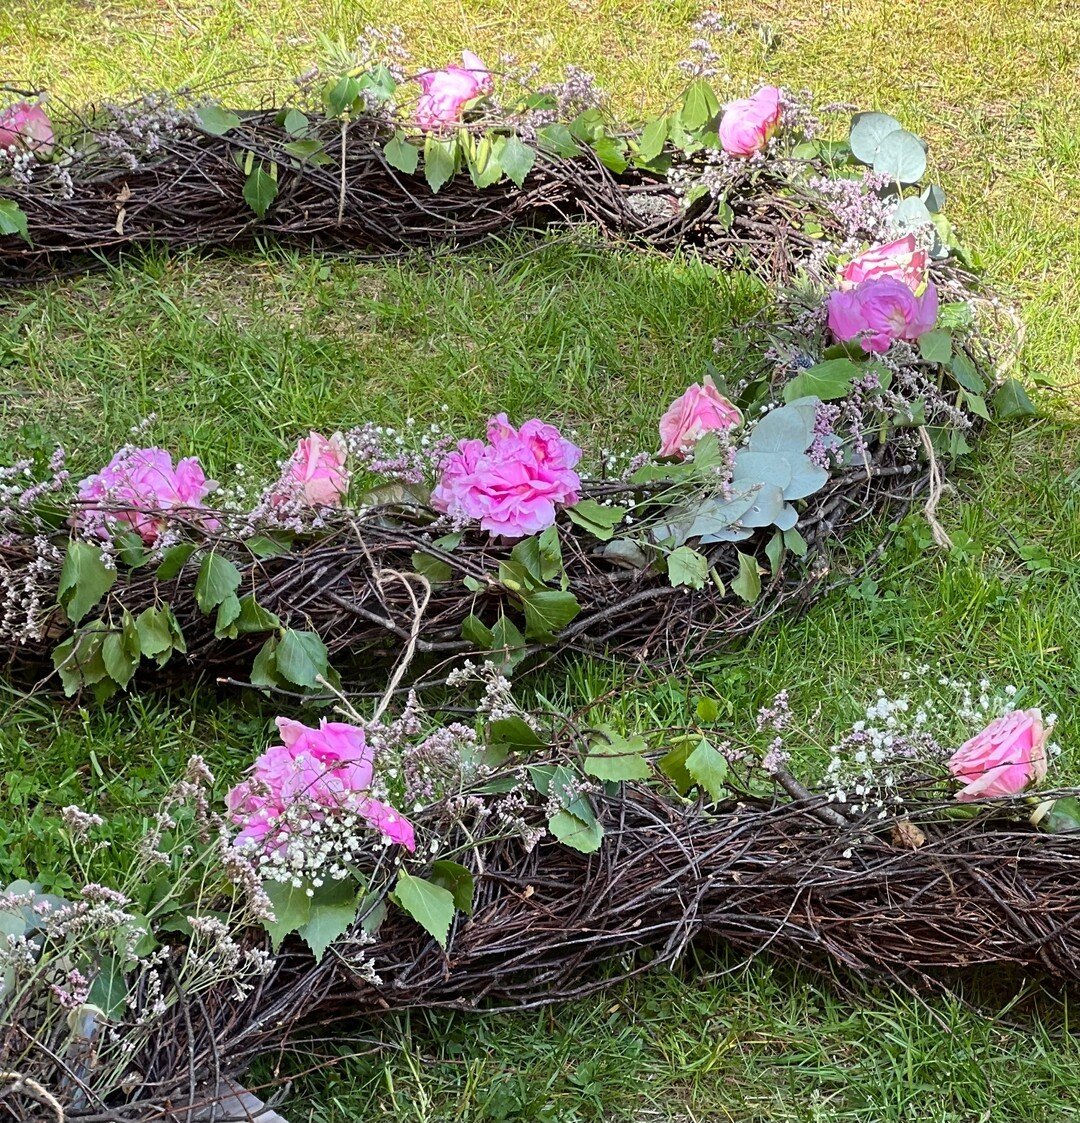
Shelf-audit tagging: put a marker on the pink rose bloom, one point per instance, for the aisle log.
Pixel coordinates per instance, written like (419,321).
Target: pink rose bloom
(880,310)
(315,473)
(138,487)
(747,124)
(901,260)
(445,92)
(513,484)
(702,409)
(26,125)
(324,770)
(1002,760)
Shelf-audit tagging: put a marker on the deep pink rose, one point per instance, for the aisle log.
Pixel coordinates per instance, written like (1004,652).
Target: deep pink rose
(138,487)
(747,124)
(315,473)
(1002,760)
(445,92)
(322,770)
(26,125)
(902,260)
(878,311)
(513,484)
(702,409)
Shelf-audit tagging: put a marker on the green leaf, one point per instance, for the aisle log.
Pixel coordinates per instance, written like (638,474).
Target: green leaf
(966,373)
(507,638)
(173,560)
(558,140)
(795,542)
(457,880)
(308,150)
(1011,401)
(431,567)
(401,154)
(515,732)
(477,632)
(548,611)
(119,662)
(687,567)
(652,140)
(227,614)
(84,579)
(13,220)
(774,551)
(260,190)
(598,520)
(340,96)
(748,583)
(828,380)
(936,346)
(516,159)
(254,618)
(573,832)
(301,658)
(613,757)
(295,122)
(440,161)
(108,991)
(332,912)
(216,121)
(265,546)
(264,668)
(1062,817)
(431,906)
(611,152)
(218,578)
(292,909)
(709,768)
(700,105)
(976,403)
(155,637)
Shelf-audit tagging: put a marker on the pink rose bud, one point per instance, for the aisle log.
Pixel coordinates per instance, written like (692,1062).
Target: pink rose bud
(747,124)
(1002,760)
(702,409)
(27,126)
(316,471)
(880,310)
(902,260)
(446,92)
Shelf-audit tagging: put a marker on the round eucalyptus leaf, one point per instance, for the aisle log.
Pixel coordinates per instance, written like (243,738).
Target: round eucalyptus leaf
(934,198)
(787,430)
(868,130)
(787,518)
(901,156)
(806,478)
(761,468)
(767,508)
(911,214)
(715,515)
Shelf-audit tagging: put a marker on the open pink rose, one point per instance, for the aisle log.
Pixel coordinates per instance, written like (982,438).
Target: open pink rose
(26,125)
(748,123)
(137,488)
(1002,760)
(315,473)
(902,260)
(445,92)
(317,771)
(880,310)
(512,484)
(702,409)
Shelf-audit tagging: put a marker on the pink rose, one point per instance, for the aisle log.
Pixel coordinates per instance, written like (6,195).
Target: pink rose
(26,125)
(445,92)
(137,488)
(901,260)
(702,409)
(1002,760)
(319,771)
(513,484)
(880,310)
(747,124)
(315,473)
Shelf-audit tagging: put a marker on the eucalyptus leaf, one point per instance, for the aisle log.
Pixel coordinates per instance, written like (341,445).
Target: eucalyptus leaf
(901,156)
(868,130)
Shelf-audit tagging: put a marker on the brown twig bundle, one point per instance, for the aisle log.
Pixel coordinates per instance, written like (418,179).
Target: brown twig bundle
(904,900)
(190,193)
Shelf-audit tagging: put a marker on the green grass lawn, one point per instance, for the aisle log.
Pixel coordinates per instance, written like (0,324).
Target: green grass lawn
(236,356)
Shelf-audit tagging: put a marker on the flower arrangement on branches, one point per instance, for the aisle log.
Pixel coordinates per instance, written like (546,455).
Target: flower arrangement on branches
(397,861)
